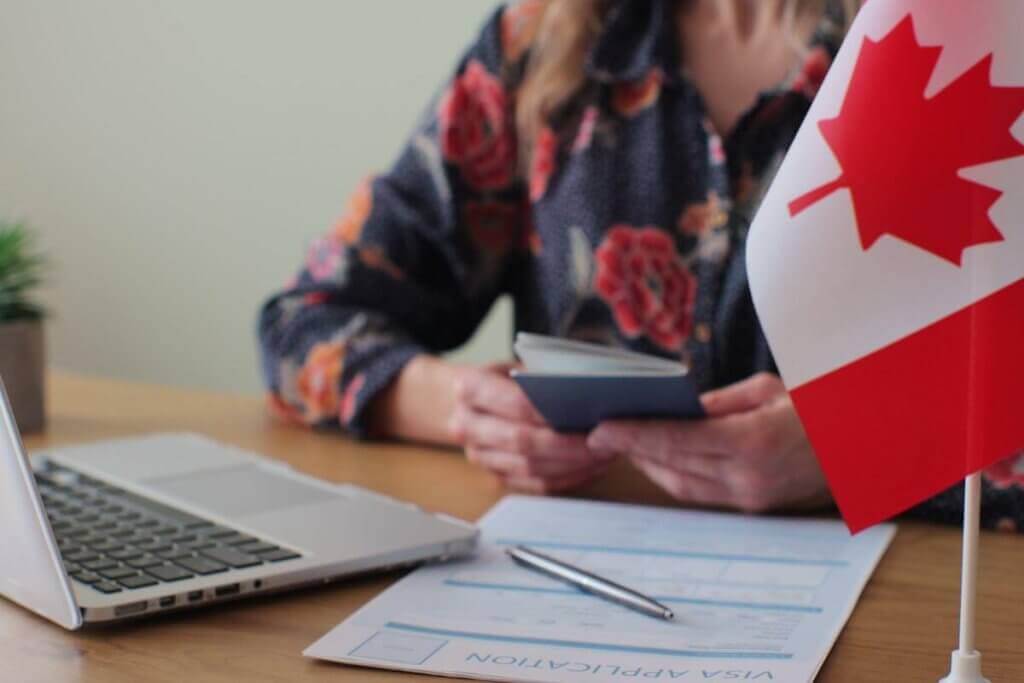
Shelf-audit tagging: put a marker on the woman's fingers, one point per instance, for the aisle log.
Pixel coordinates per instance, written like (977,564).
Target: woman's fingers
(555,484)
(662,440)
(495,393)
(685,487)
(515,464)
(483,430)
(742,396)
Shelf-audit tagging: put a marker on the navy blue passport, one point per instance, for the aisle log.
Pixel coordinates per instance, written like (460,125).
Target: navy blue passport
(576,385)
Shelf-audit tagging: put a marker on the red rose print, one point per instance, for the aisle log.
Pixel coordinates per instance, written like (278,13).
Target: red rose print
(518,27)
(641,276)
(477,133)
(1007,473)
(326,259)
(493,226)
(812,75)
(542,164)
(348,401)
(630,99)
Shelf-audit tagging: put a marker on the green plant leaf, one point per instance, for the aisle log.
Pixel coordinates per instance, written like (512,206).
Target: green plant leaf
(21,272)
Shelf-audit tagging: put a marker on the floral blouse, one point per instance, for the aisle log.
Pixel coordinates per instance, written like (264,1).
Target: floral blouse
(627,230)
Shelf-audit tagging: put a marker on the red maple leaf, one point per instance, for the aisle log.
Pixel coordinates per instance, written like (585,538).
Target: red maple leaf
(901,153)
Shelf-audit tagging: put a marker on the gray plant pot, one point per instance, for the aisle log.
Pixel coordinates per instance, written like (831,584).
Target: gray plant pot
(22,369)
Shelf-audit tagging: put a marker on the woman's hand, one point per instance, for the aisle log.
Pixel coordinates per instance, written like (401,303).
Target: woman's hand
(502,432)
(751,452)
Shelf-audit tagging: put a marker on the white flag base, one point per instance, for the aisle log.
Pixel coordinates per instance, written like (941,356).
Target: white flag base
(965,668)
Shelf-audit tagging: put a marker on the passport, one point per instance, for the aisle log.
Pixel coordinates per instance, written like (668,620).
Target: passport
(576,385)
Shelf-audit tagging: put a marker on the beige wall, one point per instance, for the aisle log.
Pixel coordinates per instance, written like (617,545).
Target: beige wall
(177,156)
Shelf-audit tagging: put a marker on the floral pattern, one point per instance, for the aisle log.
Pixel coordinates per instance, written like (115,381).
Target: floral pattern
(519,23)
(542,164)
(318,381)
(349,227)
(702,217)
(648,287)
(494,226)
(810,77)
(476,129)
(629,99)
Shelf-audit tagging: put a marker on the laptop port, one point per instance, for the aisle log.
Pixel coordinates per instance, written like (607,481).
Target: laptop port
(195,596)
(257,584)
(168,601)
(131,608)
(231,589)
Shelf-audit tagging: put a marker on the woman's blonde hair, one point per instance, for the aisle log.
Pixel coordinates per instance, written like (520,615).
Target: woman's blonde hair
(556,69)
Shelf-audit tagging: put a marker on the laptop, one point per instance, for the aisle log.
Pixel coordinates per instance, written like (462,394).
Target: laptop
(136,527)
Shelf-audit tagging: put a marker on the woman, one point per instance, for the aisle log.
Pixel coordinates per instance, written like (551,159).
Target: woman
(600,161)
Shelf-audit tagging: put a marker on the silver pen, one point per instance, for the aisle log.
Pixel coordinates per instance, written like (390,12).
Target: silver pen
(591,583)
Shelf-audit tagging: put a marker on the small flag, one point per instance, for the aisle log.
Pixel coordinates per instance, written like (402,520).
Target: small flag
(887,260)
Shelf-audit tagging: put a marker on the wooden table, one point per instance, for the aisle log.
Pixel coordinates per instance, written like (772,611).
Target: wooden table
(902,629)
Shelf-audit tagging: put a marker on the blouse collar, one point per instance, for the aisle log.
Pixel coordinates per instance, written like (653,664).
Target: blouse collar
(639,35)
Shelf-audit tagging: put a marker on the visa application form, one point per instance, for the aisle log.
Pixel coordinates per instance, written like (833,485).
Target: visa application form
(755,599)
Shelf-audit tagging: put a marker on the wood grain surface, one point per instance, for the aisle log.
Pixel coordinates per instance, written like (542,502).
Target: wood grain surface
(901,631)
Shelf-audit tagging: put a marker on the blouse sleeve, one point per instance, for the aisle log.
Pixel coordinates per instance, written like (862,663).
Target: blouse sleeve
(417,259)
(1002,499)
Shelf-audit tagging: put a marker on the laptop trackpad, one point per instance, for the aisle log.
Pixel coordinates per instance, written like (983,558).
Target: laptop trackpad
(240,491)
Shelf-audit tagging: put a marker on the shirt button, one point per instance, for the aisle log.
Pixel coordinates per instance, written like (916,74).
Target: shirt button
(702,333)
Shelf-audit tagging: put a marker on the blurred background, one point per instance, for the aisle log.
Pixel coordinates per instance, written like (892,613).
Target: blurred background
(175,158)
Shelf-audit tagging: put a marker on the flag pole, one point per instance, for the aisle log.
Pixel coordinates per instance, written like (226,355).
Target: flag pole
(965,666)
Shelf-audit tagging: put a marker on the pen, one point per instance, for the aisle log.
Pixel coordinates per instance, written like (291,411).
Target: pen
(591,583)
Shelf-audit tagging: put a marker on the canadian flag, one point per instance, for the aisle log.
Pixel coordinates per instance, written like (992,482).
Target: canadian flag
(887,259)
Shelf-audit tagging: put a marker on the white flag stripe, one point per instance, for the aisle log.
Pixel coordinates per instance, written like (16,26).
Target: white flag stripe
(814,286)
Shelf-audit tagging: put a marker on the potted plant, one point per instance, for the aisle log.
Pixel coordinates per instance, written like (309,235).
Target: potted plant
(21,326)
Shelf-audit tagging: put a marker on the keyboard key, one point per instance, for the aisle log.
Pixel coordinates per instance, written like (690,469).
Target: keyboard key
(175,553)
(123,532)
(201,565)
(165,531)
(107,587)
(197,524)
(231,557)
(105,524)
(144,562)
(59,526)
(89,518)
(80,555)
(158,548)
(239,540)
(139,581)
(118,572)
(129,516)
(76,532)
(147,523)
(280,555)
(169,572)
(218,532)
(111,509)
(183,538)
(71,567)
(85,577)
(199,545)
(106,545)
(257,548)
(97,565)
(126,554)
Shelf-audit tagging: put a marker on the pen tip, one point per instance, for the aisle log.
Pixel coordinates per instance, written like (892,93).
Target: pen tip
(669,615)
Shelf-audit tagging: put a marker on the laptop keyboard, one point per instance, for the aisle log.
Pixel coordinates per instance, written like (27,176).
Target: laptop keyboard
(114,540)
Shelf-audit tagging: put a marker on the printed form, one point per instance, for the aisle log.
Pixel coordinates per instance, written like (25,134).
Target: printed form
(755,599)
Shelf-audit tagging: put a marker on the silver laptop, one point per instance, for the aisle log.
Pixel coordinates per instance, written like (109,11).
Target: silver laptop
(130,528)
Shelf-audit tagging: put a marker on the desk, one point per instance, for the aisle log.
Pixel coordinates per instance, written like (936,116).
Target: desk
(901,631)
